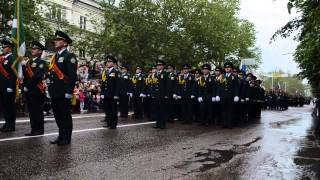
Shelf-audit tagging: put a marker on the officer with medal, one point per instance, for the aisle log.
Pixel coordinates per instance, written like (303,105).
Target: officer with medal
(34,89)
(62,75)
(110,92)
(8,81)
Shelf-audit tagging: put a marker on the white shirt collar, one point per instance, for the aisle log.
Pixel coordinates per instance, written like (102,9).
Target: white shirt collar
(6,56)
(110,69)
(61,51)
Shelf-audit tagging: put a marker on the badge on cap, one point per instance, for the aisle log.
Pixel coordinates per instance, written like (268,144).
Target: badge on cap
(61,59)
(73,60)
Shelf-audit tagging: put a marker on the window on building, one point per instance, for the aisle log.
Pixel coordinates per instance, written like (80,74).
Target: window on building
(56,13)
(82,53)
(83,22)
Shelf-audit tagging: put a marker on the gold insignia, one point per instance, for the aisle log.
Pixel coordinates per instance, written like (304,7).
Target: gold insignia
(41,66)
(61,59)
(34,65)
(190,78)
(73,60)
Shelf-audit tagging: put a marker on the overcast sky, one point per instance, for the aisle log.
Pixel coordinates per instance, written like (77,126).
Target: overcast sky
(268,16)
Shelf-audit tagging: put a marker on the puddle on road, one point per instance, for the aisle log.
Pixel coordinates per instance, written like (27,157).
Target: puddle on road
(280,124)
(208,159)
(212,158)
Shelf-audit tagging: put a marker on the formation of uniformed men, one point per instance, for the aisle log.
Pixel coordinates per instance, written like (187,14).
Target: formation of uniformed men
(62,75)
(228,96)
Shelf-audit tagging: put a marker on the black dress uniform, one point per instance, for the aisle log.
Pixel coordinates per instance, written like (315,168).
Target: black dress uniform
(244,98)
(229,94)
(205,94)
(62,75)
(34,90)
(110,91)
(172,94)
(138,92)
(186,91)
(124,92)
(160,96)
(8,89)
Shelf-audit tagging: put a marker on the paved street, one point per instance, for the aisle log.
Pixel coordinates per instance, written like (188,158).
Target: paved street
(278,147)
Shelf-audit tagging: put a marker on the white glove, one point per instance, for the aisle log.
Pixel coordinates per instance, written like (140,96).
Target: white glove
(142,95)
(9,90)
(148,95)
(131,95)
(25,89)
(242,100)
(218,98)
(68,96)
(200,99)
(166,97)
(115,97)
(236,99)
(174,96)
(102,96)
(178,97)
(192,96)
(213,99)
(247,99)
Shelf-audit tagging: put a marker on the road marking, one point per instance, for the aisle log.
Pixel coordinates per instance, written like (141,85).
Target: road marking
(52,118)
(75,131)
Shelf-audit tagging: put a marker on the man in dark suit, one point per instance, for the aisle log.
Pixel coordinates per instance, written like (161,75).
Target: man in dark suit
(186,92)
(62,75)
(172,93)
(124,91)
(229,94)
(34,89)
(138,92)
(160,95)
(110,92)
(7,86)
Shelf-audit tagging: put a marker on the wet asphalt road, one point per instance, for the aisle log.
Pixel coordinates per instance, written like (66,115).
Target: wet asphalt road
(280,146)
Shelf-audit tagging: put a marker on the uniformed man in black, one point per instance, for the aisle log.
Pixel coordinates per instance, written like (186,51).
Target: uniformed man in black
(160,95)
(244,97)
(7,86)
(172,93)
(34,90)
(186,92)
(110,92)
(138,92)
(206,91)
(229,94)
(62,75)
(124,92)
(218,76)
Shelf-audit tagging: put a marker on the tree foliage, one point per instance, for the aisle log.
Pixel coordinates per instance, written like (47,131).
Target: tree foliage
(307,54)
(178,31)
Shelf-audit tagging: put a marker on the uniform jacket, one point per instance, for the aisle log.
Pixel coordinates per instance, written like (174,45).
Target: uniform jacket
(67,63)
(110,86)
(33,84)
(10,82)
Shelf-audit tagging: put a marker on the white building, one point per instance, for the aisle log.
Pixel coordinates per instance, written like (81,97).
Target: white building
(85,14)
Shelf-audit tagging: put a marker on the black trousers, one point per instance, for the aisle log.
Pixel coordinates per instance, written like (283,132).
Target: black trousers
(186,110)
(206,112)
(124,105)
(137,107)
(35,105)
(171,109)
(160,113)
(111,110)
(227,110)
(8,104)
(62,113)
